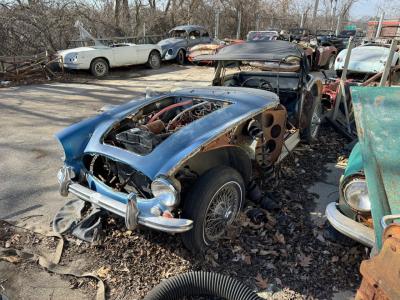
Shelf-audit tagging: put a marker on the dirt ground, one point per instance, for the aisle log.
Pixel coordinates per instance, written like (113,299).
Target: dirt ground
(281,253)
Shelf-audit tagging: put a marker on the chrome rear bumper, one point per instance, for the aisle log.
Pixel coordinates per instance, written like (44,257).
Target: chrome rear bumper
(349,227)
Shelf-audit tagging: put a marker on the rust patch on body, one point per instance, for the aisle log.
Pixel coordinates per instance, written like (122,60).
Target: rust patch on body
(381,274)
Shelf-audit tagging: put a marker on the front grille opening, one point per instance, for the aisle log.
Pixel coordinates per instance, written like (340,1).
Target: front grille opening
(118,176)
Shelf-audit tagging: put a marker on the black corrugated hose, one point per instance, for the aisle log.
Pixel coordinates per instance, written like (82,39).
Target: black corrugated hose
(201,284)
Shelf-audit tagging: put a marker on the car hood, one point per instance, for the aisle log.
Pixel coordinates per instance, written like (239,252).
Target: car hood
(366,59)
(179,146)
(172,42)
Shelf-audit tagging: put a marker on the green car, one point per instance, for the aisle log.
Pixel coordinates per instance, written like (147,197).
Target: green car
(351,214)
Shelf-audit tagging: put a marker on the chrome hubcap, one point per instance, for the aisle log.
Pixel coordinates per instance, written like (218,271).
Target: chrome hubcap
(222,210)
(100,68)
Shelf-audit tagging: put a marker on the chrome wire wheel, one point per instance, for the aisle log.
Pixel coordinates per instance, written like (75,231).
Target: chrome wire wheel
(316,119)
(222,210)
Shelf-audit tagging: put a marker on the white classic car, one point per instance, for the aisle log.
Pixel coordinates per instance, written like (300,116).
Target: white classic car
(100,58)
(366,59)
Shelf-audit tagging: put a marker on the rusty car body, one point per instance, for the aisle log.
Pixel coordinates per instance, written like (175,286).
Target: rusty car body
(181,39)
(162,162)
(356,214)
(279,67)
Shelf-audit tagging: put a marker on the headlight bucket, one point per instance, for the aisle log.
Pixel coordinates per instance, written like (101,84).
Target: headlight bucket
(163,189)
(355,194)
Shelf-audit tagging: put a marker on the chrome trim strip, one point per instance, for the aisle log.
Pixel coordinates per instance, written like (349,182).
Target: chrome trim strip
(349,227)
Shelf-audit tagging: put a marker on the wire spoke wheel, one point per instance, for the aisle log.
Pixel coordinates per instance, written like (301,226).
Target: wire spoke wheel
(222,210)
(316,119)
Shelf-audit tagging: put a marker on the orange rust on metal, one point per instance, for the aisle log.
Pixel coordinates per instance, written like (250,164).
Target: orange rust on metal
(222,141)
(156,126)
(274,126)
(381,274)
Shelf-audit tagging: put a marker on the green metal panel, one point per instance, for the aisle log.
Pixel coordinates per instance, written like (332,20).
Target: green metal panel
(355,163)
(377,115)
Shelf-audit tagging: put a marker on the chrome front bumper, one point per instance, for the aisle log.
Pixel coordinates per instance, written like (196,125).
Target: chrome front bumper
(349,227)
(130,211)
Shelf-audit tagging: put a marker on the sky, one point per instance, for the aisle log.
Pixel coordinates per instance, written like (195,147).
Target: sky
(364,8)
(374,8)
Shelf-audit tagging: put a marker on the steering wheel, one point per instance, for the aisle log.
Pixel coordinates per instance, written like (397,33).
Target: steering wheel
(263,84)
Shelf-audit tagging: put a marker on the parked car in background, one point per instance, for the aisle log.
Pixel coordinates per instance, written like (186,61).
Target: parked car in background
(181,39)
(299,34)
(99,58)
(279,67)
(365,60)
(326,36)
(319,55)
(179,162)
(257,36)
(212,48)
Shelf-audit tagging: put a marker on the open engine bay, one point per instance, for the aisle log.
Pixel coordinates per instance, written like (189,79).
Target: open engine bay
(142,131)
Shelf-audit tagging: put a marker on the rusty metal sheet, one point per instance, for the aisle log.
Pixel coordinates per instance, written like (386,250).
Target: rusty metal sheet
(381,276)
(377,111)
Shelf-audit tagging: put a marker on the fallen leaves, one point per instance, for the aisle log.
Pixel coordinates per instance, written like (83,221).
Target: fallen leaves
(103,272)
(279,238)
(261,282)
(304,260)
(12,259)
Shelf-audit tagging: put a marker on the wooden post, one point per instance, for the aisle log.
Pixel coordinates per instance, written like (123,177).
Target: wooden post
(388,64)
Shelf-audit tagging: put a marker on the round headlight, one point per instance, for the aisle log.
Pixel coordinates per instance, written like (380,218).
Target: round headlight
(60,150)
(170,51)
(356,195)
(163,189)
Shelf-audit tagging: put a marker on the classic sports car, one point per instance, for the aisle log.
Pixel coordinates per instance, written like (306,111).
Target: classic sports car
(366,60)
(100,58)
(280,67)
(175,163)
(181,39)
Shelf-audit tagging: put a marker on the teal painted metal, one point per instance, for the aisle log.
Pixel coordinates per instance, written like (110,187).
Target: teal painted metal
(377,115)
(355,163)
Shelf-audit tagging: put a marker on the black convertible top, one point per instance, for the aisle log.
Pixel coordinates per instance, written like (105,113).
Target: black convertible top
(255,51)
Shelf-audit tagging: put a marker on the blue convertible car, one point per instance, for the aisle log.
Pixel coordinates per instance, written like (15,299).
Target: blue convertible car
(181,162)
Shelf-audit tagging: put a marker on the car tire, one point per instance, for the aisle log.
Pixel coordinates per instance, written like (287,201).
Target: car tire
(99,67)
(310,133)
(181,57)
(208,199)
(154,61)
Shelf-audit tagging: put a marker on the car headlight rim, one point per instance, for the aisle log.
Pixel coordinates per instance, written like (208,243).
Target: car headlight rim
(355,195)
(165,190)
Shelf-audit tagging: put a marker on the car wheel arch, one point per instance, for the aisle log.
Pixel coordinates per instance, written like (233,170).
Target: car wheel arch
(102,57)
(232,156)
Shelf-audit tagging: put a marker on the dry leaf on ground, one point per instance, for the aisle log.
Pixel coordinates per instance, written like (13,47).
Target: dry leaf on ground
(261,282)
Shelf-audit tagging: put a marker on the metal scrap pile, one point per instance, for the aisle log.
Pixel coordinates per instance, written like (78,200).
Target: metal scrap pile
(22,69)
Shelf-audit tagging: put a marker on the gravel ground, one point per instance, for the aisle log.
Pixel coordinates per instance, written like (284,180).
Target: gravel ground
(282,254)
